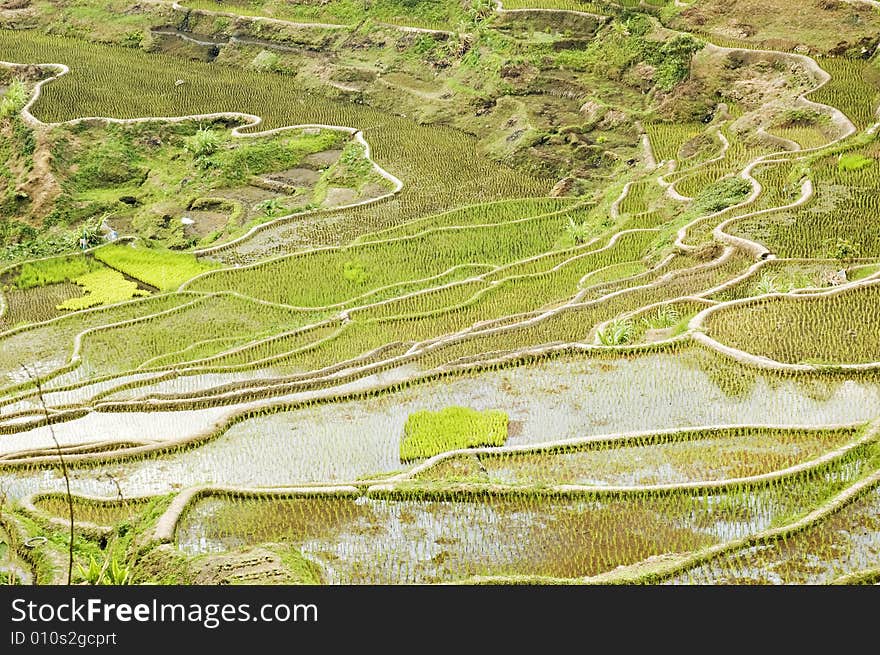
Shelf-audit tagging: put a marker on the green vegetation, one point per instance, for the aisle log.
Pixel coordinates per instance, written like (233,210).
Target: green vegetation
(428,433)
(268,313)
(164,269)
(53,271)
(103,286)
(825,329)
(725,193)
(13,99)
(418,13)
(853,162)
(617,333)
(721,454)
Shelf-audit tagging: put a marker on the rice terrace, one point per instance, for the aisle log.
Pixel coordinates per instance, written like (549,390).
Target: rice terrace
(439,291)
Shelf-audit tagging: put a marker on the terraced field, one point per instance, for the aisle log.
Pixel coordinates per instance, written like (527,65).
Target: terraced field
(683,349)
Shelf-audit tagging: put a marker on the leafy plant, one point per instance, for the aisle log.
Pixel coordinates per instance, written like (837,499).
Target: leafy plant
(109,572)
(842,248)
(354,271)
(771,284)
(265,61)
(270,207)
(663,317)
(722,194)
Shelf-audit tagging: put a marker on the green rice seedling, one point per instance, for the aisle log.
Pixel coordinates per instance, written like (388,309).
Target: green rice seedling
(832,329)
(52,271)
(51,344)
(491,213)
(668,139)
(332,276)
(36,304)
(90,511)
(123,348)
(428,433)
(398,537)
(854,88)
(842,544)
(102,287)
(833,224)
(807,137)
(853,161)
(164,269)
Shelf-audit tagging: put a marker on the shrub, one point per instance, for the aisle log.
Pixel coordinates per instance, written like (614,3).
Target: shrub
(203,143)
(842,248)
(577,232)
(428,433)
(665,317)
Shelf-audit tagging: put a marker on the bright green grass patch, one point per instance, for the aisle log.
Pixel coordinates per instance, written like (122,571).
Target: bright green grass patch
(163,269)
(53,271)
(853,161)
(861,272)
(103,287)
(428,433)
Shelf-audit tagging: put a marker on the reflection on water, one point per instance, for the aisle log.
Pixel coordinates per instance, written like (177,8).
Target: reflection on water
(412,540)
(845,543)
(556,399)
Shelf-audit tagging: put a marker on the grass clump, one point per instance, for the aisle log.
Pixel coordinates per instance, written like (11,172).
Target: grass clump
(429,433)
(164,269)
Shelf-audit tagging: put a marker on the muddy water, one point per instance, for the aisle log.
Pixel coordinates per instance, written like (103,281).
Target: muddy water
(559,399)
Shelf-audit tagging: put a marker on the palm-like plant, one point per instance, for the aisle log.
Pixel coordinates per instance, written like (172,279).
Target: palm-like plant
(616,333)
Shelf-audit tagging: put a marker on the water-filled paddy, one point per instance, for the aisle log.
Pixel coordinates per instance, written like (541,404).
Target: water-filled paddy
(552,400)
(417,540)
(845,543)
